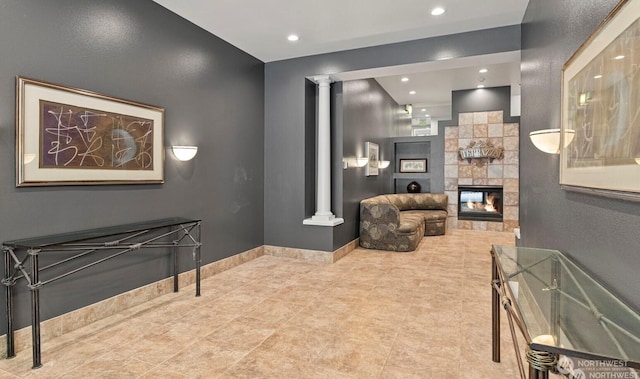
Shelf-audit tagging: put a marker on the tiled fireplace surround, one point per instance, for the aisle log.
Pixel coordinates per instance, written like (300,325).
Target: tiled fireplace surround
(472,127)
(482,126)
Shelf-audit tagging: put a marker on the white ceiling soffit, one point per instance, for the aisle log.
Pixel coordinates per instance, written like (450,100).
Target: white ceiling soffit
(434,81)
(260,28)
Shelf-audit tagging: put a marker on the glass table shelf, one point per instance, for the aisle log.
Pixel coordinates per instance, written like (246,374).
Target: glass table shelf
(561,310)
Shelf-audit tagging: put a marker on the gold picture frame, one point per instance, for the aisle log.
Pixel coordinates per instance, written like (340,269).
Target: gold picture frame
(600,102)
(69,136)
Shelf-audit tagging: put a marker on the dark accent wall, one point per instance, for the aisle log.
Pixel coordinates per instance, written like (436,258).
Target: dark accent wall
(285,116)
(369,115)
(213,95)
(480,100)
(600,233)
(431,148)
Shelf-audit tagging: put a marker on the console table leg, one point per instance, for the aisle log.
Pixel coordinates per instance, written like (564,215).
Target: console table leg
(495,312)
(198,259)
(35,309)
(9,302)
(174,253)
(537,374)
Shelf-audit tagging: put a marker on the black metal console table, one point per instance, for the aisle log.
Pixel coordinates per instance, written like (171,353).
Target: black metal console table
(563,314)
(21,260)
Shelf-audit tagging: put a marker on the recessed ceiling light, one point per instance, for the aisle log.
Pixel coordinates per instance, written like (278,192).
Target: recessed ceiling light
(437,11)
(619,57)
(427,115)
(293,37)
(423,109)
(483,70)
(412,92)
(597,76)
(480,86)
(405,79)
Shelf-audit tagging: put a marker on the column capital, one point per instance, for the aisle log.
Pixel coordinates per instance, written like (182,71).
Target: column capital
(322,79)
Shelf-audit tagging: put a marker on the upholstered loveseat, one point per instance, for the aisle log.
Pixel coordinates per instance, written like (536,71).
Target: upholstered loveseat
(398,222)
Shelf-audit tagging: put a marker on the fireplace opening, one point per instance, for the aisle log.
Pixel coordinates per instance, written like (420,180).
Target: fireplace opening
(480,203)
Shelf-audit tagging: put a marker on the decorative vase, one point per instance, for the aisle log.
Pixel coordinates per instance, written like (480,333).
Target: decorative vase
(413,187)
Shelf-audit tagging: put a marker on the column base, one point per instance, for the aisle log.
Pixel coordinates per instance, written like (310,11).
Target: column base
(323,220)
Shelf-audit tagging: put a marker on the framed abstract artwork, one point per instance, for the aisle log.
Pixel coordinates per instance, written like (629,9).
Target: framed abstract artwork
(69,136)
(600,103)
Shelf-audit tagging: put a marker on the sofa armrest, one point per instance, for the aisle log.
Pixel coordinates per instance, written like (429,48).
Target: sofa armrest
(374,212)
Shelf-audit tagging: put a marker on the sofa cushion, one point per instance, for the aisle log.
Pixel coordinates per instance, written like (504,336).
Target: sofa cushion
(409,223)
(428,216)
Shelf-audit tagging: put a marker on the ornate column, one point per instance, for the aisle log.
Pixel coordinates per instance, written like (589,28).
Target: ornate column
(323,215)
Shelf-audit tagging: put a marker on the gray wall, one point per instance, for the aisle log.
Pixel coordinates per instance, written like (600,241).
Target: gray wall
(285,178)
(601,234)
(431,148)
(213,95)
(480,100)
(369,115)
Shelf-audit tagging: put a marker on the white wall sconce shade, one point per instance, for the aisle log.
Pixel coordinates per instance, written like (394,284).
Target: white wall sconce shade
(354,162)
(383,164)
(362,161)
(638,160)
(184,153)
(548,140)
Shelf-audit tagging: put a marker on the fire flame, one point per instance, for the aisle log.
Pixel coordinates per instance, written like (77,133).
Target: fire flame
(488,207)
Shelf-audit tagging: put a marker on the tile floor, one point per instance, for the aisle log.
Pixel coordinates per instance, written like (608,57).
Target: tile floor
(373,314)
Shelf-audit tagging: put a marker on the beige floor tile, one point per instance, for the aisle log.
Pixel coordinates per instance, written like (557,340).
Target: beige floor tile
(275,311)
(263,364)
(392,372)
(7,375)
(296,343)
(203,359)
(356,358)
(321,317)
(372,314)
(296,294)
(111,365)
(242,334)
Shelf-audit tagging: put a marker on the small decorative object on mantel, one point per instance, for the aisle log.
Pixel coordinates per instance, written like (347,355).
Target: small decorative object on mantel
(480,150)
(414,187)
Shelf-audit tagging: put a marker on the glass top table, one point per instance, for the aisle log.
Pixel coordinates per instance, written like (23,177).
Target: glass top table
(69,253)
(88,234)
(561,309)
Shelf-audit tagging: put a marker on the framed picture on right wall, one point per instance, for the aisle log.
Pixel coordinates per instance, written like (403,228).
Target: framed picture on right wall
(600,102)
(413,165)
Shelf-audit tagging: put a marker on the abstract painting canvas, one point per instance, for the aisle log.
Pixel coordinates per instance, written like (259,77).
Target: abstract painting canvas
(68,136)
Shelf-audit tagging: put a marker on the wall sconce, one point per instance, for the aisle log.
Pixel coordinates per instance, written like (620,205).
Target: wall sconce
(184,153)
(383,164)
(354,162)
(362,161)
(638,160)
(548,140)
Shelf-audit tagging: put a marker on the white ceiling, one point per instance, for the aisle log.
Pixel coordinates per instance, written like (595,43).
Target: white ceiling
(260,28)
